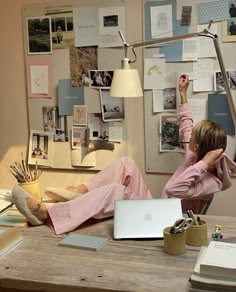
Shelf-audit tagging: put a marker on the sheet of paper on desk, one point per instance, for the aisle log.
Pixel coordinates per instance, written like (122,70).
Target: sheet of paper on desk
(82,241)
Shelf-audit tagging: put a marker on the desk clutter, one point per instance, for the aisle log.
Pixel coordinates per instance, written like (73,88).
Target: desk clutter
(192,231)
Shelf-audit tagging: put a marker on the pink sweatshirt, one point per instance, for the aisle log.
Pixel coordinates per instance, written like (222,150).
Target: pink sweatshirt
(194,184)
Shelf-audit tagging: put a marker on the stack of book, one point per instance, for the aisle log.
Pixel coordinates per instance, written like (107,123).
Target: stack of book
(215,268)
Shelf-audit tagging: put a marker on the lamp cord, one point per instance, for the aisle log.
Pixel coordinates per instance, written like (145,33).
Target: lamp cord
(135,56)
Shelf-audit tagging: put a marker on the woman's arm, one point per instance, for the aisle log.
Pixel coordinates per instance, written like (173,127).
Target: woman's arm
(196,180)
(184,115)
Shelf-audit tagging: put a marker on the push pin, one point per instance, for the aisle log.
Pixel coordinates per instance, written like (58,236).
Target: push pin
(216,234)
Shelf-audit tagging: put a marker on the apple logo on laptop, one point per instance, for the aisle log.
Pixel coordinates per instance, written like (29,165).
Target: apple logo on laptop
(148,216)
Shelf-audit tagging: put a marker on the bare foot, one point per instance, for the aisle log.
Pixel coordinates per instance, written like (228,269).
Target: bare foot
(82,189)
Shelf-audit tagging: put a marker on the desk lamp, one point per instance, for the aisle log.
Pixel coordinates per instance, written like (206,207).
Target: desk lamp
(126,82)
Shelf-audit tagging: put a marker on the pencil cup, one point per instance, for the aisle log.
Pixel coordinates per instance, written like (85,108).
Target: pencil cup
(197,235)
(33,188)
(174,244)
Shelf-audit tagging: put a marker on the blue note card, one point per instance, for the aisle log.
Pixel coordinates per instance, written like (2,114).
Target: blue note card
(69,96)
(219,111)
(83,241)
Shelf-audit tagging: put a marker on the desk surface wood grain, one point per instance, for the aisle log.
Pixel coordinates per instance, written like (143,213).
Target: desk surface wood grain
(39,264)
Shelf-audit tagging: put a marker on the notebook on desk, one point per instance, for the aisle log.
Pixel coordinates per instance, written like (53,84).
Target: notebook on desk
(144,218)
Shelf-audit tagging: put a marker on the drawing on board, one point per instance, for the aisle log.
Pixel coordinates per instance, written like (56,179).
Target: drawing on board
(80,115)
(62,26)
(39,35)
(169,134)
(112,107)
(161,21)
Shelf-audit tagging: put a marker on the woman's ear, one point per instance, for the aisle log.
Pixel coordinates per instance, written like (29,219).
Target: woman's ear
(195,147)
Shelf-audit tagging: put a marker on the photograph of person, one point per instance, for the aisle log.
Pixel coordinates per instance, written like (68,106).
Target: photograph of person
(232,8)
(39,35)
(232,26)
(229,30)
(62,26)
(101,78)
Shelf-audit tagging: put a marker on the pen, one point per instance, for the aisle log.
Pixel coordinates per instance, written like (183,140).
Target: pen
(190,215)
(199,220)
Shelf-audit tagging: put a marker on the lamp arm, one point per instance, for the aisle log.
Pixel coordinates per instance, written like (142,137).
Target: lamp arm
(225,78)
(166,40)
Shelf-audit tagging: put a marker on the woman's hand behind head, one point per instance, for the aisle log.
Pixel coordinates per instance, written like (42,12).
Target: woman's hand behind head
(212,157)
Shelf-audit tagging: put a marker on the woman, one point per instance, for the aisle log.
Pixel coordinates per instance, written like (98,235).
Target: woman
(205,170)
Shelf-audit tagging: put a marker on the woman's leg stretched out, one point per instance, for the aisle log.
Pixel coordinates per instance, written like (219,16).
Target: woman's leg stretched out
(123,171)
(67,216)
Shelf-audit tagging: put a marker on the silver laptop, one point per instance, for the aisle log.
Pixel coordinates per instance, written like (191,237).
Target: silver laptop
(144,218)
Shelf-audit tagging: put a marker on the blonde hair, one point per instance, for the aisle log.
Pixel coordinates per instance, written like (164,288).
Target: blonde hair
(209,136)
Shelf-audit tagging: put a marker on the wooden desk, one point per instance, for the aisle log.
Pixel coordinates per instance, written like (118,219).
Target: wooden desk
(39,264)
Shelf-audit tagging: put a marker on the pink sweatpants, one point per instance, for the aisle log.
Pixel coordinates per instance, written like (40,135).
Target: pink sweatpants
(121,180)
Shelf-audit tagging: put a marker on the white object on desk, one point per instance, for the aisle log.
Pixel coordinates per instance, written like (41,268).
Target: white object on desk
(5,199)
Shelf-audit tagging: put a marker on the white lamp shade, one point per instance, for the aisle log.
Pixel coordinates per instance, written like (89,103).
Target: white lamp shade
(126,83)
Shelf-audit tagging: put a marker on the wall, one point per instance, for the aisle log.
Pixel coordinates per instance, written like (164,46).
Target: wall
(13,108)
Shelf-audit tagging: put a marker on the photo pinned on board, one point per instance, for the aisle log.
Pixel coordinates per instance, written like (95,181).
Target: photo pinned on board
(101,78)
(39,35)
(169,134)
(62,26)
(80,115)
(112,107)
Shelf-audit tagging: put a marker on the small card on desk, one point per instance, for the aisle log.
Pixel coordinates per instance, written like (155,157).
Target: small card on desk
(12,220)
(83,241)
